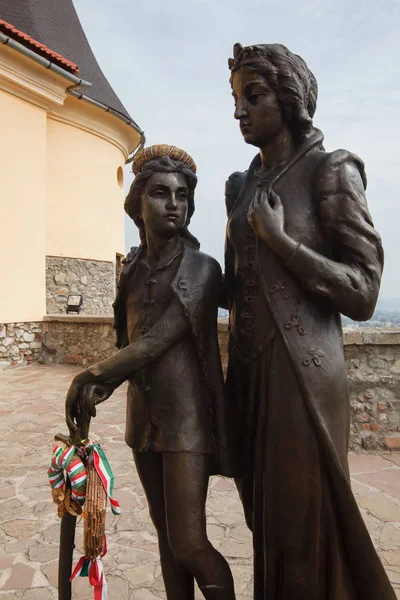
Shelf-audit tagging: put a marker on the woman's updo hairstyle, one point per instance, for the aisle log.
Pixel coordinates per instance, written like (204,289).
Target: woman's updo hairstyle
(289,76)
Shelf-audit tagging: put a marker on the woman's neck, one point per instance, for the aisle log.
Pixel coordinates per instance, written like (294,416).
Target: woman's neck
(278,150)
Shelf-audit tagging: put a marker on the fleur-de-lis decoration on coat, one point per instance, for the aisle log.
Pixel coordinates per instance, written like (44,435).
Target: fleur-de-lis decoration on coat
(279,287)
(294,321)
(315,357)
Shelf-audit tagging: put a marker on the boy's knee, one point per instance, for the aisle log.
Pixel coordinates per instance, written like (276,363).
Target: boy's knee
(159,522)
(188,551)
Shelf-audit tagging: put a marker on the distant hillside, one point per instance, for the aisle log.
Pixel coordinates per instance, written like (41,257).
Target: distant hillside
(389,304)
(387,314)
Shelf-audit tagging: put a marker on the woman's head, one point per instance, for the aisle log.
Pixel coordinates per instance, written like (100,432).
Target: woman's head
(285,77)
(150,189)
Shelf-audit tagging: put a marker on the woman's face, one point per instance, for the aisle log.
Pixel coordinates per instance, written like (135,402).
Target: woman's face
(256,107)
(164,204)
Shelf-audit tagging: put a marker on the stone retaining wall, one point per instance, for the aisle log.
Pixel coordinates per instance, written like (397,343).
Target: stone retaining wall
(20,343)
(373,374)
(78,339)
(94,280)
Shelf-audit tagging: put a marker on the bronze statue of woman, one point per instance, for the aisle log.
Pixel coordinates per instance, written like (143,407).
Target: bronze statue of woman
(300,250)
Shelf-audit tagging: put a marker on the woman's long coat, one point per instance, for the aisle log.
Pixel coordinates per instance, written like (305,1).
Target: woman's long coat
(336,269)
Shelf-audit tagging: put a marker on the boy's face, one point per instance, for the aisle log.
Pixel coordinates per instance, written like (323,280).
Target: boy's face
(164,204)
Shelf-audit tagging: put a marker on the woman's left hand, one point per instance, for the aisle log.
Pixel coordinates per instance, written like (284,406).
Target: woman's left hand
(267,218)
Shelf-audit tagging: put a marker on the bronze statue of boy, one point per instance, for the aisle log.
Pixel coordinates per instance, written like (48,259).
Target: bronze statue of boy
(178,422)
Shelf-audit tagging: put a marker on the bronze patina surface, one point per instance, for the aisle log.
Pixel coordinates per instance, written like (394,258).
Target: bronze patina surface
(177,422)
(300,249)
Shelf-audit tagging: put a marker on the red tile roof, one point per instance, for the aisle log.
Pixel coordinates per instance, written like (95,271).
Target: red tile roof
(37,47)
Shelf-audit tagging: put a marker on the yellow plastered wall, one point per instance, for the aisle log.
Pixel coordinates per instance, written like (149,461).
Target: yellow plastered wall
(85,215)
(22,210)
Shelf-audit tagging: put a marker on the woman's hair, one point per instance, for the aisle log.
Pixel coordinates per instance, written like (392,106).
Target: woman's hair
(289,76)
(133,199)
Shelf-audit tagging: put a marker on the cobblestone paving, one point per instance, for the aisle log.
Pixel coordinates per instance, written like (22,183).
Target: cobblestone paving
(31,410)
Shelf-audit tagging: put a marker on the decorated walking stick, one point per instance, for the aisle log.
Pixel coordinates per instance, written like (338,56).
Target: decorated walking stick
(80,476)
(68,509)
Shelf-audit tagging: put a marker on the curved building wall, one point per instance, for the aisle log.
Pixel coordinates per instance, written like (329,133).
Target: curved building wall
(61,206)
(61,202)
(22,210)
(84,207)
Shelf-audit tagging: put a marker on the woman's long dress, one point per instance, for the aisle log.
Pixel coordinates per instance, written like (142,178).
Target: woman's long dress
(289,500)
(282,458)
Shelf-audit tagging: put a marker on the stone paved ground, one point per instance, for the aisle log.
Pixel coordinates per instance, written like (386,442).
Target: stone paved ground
(31,410)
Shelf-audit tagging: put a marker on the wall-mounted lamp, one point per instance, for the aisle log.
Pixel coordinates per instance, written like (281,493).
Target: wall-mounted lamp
(74,303)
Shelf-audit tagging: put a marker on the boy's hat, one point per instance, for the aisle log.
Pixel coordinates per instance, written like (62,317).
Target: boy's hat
(152,152)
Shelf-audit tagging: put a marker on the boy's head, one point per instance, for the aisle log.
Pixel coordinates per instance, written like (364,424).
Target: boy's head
(161,197)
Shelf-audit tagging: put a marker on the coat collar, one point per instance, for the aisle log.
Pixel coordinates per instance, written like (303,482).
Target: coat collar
(315,139)
(133,258)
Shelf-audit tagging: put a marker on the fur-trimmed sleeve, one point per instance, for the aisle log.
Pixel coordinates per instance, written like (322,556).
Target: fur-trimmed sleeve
(350,278)
(232,188)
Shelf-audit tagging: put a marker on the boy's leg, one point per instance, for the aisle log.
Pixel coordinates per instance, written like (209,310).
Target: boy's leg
(185,487)
(179,582)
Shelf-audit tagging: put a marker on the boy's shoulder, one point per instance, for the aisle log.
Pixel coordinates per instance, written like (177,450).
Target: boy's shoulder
(205,265)
(197,282)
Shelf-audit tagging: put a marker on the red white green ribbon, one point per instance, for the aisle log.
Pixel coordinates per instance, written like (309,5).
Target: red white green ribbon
(68,460)
(106,475)
(93,568)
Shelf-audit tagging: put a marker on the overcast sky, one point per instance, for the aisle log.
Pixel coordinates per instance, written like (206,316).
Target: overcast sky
(167,62)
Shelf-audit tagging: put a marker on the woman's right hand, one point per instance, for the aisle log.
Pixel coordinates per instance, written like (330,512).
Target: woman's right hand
(267,218)
(266,215)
